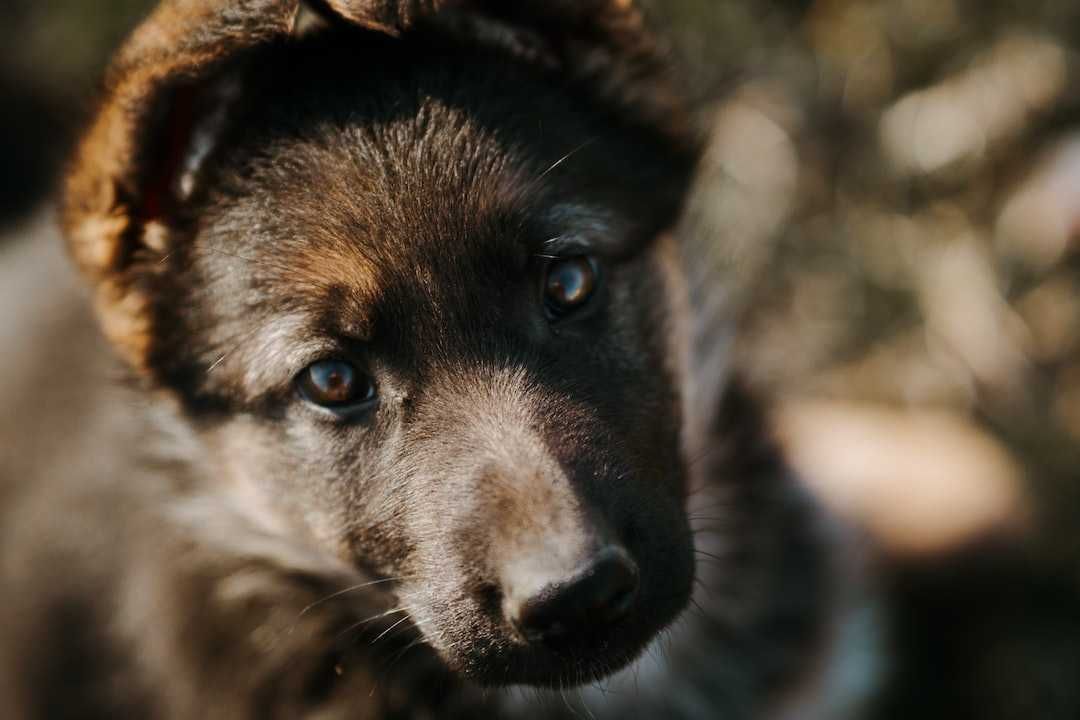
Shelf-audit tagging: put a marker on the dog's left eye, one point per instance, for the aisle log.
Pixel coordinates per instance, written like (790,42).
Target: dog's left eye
(336,385)
(569,284)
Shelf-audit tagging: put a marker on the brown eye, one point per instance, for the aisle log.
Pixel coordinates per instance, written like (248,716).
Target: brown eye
(569,284)
(335,384)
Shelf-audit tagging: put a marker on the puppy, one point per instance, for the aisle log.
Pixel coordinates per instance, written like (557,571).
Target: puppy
(408,417)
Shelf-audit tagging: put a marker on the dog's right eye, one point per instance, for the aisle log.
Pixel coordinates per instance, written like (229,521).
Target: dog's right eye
(336,385)
(569,284)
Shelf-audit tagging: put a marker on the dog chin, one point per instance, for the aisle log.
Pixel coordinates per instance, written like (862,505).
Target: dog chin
(507,662)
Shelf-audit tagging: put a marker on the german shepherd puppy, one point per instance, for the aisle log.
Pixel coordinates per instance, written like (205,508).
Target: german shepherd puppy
(409,410)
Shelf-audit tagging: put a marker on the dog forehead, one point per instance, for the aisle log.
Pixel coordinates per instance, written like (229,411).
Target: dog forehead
(410,210)
(424,161)
(416,199)
(410,198)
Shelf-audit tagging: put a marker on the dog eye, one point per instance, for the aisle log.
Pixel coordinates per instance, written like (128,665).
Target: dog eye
(569,284)
(335,384)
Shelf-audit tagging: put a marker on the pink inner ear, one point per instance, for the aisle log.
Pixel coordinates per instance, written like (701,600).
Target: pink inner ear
(160,195)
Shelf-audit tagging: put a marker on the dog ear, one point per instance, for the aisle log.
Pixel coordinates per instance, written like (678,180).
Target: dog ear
(156,124)
(607,45)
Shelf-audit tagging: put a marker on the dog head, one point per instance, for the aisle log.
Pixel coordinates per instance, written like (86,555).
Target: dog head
(404,273)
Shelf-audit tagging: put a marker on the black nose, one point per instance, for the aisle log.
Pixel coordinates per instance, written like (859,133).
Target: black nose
(601,593)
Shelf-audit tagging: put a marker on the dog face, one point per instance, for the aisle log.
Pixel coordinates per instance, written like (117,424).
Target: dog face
(411,293)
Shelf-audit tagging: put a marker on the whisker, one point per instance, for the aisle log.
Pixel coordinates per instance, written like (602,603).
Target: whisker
(339,593)
(216,363)
(384,632)
(361,623)
(566,157)
(585,705)
(702,584)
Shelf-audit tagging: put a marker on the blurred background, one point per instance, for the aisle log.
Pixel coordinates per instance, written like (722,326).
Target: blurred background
(891,197)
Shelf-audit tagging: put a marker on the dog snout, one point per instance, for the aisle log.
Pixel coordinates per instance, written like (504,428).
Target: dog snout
(590,599)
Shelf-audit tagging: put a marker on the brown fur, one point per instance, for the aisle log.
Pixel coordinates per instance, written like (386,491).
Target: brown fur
(389,188)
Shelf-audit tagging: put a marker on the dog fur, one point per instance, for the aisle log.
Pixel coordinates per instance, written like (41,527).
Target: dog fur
(385,181)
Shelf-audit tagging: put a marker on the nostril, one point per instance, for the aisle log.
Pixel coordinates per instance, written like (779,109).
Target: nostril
(601,593)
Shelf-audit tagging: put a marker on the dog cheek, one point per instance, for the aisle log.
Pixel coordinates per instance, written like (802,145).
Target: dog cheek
(280,476)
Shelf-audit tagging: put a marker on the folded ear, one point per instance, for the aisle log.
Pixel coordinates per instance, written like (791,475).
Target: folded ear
(155,125)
